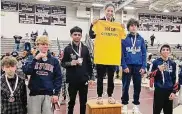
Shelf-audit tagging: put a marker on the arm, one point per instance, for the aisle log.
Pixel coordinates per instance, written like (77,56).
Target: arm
(174,73)
(176,86)
(57,77)
(144,57)
(66,59)
(154,70)
(89,66)
(91,32)
(123,63)
(28,68)
(24,96)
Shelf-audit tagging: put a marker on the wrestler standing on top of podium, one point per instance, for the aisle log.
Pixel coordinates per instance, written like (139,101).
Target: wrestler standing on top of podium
(107,50)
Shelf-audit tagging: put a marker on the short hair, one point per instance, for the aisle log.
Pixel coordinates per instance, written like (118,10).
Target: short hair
(165,46)
(42,40)
(132,22)
(76,29)
(108,5)
(9,61)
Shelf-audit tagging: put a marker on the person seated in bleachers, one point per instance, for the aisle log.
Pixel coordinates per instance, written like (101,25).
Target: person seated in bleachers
(14,54)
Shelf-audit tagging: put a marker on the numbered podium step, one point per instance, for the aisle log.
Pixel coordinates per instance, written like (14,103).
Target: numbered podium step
(106,108)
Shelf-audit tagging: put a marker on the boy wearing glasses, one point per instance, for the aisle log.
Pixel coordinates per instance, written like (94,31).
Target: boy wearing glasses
(77,61)
(164,74)
(45,80)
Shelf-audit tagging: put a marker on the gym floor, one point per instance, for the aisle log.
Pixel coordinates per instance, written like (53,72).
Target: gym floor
(146,98)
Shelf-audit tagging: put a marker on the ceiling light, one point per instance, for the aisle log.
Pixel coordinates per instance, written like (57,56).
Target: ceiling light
(98,5)
(166,11)
(179,3)
(129,8)
(45,0)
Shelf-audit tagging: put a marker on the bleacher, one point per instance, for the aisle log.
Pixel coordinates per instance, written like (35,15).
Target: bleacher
(7,45)
(155,50)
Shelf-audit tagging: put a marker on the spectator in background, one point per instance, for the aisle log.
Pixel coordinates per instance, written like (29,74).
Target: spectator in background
(149,61)
(34,36)
(27,43)
(152,39)
(45,33)
(13,89)
(17,42)
(63,89)
(15,54)
(178,46)
(180,82)
(53,54)
(7,54)
(146,44)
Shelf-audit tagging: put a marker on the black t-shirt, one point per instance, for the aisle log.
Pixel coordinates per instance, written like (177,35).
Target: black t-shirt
(34,36)
(17,39)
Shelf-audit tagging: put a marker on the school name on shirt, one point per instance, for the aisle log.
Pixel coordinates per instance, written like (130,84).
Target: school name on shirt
(44,66)
(109,31)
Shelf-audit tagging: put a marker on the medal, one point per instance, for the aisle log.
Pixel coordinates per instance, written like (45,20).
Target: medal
(12,98)
(166,65)
(80,60)
(133,45)
(44,59)
(133,51)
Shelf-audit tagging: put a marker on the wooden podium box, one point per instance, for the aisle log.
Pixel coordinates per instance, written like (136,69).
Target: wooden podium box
(106,108)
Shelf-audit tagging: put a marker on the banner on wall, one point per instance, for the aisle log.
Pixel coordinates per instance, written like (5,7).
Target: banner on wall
(26,8)
(37,13)
(159,23)
(9,6)
(27,18)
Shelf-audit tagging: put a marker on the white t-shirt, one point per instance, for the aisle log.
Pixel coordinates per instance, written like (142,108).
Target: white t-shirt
(26,39)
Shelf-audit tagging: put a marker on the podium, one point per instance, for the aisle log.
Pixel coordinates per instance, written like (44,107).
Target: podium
(106,108)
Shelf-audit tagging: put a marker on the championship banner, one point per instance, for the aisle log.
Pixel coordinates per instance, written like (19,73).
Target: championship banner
(107,44)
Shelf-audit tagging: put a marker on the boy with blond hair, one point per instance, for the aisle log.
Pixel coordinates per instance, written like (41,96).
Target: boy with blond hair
(45,80)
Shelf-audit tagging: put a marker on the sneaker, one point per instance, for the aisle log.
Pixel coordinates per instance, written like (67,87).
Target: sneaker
(136,109)
(100,100)
(111,100)
(125,109)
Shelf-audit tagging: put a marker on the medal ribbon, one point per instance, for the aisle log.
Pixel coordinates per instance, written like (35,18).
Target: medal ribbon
(16,83)
(79,50)
(133,42)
